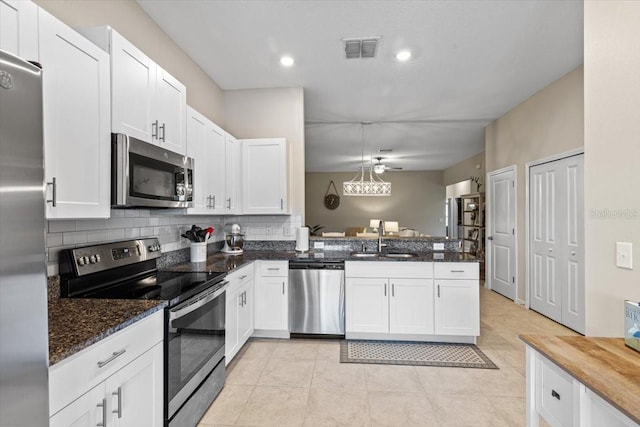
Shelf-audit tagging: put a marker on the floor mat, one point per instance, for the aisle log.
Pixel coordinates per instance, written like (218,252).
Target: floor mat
(414,353)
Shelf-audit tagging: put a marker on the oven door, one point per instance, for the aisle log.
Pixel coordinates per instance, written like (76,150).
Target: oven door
(194,344)
(147,175)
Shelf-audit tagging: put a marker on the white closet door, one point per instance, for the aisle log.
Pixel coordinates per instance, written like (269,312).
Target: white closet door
(557,240)
(502,243)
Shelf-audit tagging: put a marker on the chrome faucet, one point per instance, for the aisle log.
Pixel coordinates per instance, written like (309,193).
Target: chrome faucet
(380,234)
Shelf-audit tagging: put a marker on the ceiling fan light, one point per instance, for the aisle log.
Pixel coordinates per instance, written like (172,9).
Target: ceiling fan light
(287,61)
(403,55)
(379,168)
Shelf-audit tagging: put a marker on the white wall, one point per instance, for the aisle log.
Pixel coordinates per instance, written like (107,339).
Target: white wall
(272,113)
(612,159)
(417,201)
(549,122)
(130,20)
(473,166)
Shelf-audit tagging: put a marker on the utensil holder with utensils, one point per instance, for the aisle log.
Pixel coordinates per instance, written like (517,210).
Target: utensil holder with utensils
(198,251)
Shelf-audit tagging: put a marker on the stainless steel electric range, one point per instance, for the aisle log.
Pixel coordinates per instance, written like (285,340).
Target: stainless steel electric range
(194,365)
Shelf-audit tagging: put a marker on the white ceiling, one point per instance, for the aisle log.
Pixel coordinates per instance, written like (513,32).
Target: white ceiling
(472,61)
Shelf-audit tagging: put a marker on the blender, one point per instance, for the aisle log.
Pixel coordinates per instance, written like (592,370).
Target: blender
(233,240)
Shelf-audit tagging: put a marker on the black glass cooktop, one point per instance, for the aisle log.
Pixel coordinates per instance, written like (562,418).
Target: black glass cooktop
(159,285)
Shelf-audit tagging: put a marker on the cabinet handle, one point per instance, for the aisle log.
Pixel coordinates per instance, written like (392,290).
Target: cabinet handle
(457,271)
(283,288)
(162,137)
(243,277)
(115,355)
(119,394)
(281,204)
(555,394)
(53,199)
(438,291)
(154,129)
(229,203)
(273,268)
(393,290)
(385,289)
(213,201)
(103,405)
(244,297)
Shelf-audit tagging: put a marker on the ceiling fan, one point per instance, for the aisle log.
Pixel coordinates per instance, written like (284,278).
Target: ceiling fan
(379,167)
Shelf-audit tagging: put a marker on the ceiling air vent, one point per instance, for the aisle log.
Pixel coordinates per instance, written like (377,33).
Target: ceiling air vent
(361,47)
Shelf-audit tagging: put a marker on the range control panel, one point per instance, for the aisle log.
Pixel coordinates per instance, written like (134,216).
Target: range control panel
(92,259)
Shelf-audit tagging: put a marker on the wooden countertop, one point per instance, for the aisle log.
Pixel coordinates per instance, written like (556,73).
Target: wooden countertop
(605,365)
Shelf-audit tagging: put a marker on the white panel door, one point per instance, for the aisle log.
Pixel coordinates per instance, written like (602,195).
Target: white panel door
(410,306)
(76,122)
(457,307)
(502,239)
(19,28)
(367,305)
(246,315)
(196,140)
(272,309)
(573,304)
(557,240)
(133,85)
(546,296)
(170,103)
(216,165)
(136,391)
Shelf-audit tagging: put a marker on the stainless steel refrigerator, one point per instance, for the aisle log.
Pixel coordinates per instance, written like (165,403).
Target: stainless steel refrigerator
(24,348)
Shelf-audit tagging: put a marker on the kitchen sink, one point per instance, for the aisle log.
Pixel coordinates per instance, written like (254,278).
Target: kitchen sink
(364,254)
(399,255)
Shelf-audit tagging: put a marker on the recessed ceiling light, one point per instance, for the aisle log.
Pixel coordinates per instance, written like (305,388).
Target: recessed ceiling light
(403,55)
(287,61)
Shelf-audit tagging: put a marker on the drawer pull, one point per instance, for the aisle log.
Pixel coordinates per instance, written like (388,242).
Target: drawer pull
(103,405)
(273,268)
(243,277)
(555,394)
(457,271)
(115,355)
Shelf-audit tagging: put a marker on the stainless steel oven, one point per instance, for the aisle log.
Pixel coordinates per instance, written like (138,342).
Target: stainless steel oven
(147,175)
(194,331)
(194,356)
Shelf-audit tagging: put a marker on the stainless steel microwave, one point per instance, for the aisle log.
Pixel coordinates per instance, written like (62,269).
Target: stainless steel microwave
(146,175)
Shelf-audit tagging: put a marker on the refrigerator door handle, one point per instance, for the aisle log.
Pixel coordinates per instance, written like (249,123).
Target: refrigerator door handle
(53,199)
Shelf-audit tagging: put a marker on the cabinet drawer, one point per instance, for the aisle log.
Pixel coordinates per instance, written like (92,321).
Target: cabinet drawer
(456,270)
(400,270)
(554,393)
(240,277)
(72,377)
(274,268)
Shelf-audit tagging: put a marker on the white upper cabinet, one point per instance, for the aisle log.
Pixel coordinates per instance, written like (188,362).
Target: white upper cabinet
(147,102)
(76,120)
(233,175)
(205,144)
(19,28)
(264,167)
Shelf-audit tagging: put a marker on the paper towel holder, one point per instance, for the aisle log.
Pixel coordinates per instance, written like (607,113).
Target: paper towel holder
(302,239)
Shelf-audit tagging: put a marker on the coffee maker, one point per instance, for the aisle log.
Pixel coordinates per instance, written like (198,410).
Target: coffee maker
(233,240)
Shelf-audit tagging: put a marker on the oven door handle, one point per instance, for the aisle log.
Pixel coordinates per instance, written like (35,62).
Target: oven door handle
(194,303)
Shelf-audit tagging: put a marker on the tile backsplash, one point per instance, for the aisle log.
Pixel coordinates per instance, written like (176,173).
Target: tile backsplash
(164,224)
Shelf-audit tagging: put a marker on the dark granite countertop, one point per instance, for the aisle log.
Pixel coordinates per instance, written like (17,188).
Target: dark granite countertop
(225,262)
(75,324)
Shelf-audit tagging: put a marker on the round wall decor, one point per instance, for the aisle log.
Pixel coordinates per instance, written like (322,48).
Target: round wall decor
(331,200)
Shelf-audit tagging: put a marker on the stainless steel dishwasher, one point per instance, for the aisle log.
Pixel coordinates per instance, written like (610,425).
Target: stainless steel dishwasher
(316,297)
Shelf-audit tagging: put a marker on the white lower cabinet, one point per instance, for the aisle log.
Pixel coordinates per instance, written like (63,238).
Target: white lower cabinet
(457,299)
(239,310)
(398,303)
(116,382)
(272,300)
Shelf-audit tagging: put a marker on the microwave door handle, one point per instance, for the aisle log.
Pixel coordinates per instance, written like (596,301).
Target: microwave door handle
(187,307)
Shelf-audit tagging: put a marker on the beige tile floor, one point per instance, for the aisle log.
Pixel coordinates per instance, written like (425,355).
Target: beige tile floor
(303,383)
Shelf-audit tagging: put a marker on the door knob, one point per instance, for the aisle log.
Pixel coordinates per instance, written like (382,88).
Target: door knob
(550,249)
(490,238)
(573,253)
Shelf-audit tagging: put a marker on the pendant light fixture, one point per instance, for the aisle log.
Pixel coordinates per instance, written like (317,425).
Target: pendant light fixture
(361,185)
